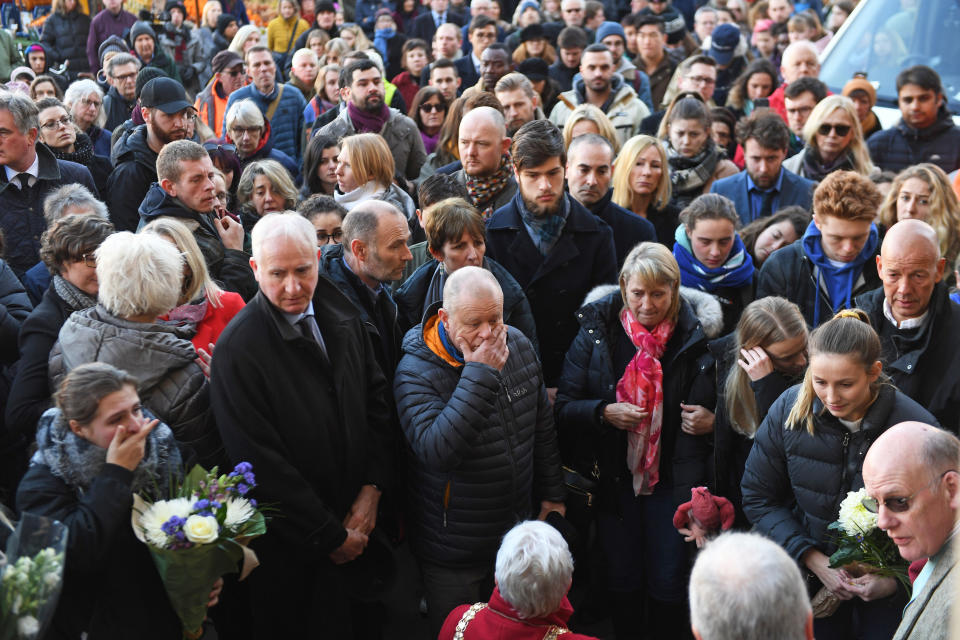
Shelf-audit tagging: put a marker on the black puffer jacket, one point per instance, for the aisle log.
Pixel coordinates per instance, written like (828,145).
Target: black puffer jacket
(484,447)
(789,273)
(135,170)
(794,482)
(595,362)
(229,267)
(65,38)
(926,367)
(902,146)
(516,310)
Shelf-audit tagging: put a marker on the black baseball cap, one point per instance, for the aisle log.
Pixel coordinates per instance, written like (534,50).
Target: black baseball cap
(165,94)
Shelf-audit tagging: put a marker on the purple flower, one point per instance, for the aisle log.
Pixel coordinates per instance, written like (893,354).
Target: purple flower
(249,478)
(242,488)
(174,526)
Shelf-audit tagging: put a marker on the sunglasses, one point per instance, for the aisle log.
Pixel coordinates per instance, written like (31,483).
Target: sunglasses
(236,72)
(841,129)
(219,148)
(431,107)
(898,505)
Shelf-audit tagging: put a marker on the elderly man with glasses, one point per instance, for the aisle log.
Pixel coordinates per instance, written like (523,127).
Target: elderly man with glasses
(910,473)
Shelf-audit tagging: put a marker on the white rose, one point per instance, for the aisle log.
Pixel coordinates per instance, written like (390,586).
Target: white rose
(201,529)
(28,627)
(854,517)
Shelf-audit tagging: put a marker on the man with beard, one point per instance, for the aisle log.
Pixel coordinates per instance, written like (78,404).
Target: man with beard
(555,248)
(486,172)
(166,111)
(589,171)
(600,87)
(366,112)
(281,105)
(521,102)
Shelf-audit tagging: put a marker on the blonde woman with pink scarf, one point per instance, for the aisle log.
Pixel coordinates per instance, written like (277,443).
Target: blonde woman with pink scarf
(635,414)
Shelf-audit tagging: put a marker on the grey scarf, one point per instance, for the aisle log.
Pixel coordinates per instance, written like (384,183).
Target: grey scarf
(78,462)
(76,299)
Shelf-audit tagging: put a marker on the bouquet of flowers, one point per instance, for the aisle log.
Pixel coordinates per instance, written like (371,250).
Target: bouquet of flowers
(862,547)
(31,575)
(199,535)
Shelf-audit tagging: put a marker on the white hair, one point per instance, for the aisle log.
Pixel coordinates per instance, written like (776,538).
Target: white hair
(245,113)
(469,281)
(305,53)
(567,3)
(288,225)
(534,567)
(139,274)
(799,45)
(79,90)
(745,587)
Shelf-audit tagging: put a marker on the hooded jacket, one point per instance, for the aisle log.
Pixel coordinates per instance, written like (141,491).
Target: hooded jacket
(266,151)
(287,121)
(65,39)
(191,67)
(161,358)
(135,169)
(902,146)
(400,133)
(160,60)
(483,444)
(230,268)
(623,107)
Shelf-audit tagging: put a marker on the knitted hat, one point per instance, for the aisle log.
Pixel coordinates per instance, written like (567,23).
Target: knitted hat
(113,43)
(175,4)
(145,75)
(610,29)
(861,84)
(528,4)
(534,68)
(23,70)
(224,21)
(34,48)
(141,28)
(762,25)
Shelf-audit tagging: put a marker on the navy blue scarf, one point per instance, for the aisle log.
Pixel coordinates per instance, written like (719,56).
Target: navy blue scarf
(735,272)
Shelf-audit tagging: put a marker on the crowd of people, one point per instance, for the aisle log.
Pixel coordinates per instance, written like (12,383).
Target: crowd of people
(440,272)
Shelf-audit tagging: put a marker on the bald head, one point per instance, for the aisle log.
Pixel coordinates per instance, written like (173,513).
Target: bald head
(482,141)
(911,469)
(800,60)
(910,267)
(471,285)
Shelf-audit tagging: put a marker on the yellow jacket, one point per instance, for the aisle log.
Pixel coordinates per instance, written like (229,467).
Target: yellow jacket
(279,30)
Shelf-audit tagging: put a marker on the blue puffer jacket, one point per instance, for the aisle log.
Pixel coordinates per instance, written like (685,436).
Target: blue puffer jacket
(484,447)
(794,482)
(287,122)
(902,146)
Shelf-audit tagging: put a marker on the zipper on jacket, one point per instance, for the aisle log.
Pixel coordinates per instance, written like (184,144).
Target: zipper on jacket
(446,501)
(846,466)
(507,427)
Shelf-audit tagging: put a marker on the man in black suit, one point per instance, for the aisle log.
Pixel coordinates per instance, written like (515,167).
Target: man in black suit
(482,33)
(425,25)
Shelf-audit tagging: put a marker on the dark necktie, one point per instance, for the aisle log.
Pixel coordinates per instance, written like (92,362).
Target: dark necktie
(24,180)
(309,330)
(766,206)
(439,20)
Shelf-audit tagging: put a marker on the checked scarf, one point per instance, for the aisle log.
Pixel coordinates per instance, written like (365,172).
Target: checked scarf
(642,385)
(688,176)
(484,189)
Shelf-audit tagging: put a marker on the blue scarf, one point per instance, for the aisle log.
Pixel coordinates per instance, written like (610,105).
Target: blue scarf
(735,272)
(380,38)
(445,341)
(839,280)
(544,230)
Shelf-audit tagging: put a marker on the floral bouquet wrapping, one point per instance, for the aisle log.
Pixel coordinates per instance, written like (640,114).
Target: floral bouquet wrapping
(31,575)
(199,535)
(862,547)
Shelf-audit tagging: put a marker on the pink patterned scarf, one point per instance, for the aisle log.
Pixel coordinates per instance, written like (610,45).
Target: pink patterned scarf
(642,385)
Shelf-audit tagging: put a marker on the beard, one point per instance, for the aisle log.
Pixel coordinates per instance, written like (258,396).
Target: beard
(540,210)
(166,137)
(372,104)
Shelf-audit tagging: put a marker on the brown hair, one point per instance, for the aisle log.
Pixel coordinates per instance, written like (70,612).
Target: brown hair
(447,220)
(846,195)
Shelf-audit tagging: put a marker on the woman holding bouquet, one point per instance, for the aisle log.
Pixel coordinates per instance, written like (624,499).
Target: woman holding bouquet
(808,454)
(95,448)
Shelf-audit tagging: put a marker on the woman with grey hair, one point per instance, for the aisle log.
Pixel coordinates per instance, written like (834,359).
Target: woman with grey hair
(533,573)
(84,100)
(249,132)
(140,278)
(265,187)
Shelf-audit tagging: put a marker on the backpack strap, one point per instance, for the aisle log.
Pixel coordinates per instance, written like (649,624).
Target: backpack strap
(272,109)
(468,615)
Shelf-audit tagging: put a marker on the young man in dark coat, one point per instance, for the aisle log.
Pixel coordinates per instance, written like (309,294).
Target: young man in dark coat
(925,133)
(475,412)
(918,324)
(298,393)
(833,262)
(30,172)
(589,172)
(555,248)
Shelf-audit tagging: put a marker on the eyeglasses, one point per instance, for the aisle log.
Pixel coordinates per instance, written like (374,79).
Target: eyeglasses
(220,148)
(90,103)
(65,121)
(125,77)
(702,80)
(89,259)
(326,238)
(237,132)
(433,106)
(841,129)
(899,505)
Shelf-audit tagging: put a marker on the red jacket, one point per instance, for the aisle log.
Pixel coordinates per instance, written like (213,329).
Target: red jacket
(216,320)
(407,86)
(487,625)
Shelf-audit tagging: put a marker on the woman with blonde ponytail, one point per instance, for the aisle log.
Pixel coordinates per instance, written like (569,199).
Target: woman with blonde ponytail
(808,453)
(764,357)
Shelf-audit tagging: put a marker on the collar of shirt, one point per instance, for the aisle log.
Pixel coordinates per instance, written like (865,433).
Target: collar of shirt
(909,323)
(439,16)
(294,318)
(476,61)
(33,170)
(751,186)
(376,290)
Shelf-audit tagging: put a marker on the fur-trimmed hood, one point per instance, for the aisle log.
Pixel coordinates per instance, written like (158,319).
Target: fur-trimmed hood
(704,305)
